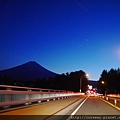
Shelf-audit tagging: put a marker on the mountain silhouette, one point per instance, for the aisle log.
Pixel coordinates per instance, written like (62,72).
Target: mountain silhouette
(28,71)
(93,83)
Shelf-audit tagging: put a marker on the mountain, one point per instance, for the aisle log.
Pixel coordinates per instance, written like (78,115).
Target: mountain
(93,83)
(28,71)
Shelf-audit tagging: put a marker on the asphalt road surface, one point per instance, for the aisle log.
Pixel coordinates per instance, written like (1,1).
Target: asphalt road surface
(95,106)
(85,106)
(48,108)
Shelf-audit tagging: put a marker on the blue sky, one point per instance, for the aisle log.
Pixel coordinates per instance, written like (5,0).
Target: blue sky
(61,35)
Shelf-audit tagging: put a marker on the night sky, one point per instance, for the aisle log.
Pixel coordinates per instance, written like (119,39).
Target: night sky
(61,35)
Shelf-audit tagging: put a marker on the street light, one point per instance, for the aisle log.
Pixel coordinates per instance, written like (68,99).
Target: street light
(102,82)
(105,88)
(81,80)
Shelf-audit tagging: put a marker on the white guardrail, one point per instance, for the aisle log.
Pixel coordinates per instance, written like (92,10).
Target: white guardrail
(15,95)
(112,98)
(114,95)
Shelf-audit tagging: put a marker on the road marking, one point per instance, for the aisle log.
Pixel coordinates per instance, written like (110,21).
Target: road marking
(79,106)
(51,117)
(69,118)
(111,104)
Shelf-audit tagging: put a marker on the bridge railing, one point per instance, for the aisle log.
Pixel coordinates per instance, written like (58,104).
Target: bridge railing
(113,99)
(14,95)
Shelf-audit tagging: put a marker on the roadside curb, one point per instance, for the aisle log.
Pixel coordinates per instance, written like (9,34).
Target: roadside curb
(110,104)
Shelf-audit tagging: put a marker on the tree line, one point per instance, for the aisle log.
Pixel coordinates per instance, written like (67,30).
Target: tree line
(109,81)
(68,81)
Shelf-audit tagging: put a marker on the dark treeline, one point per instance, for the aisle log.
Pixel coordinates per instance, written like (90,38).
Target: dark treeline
(109,81)
(68,81)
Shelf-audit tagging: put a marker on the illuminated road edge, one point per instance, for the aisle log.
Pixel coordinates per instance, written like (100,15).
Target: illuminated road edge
(69,118)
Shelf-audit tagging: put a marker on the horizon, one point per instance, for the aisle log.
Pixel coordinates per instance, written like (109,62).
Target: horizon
(41,66)
(62,36)
(45,68)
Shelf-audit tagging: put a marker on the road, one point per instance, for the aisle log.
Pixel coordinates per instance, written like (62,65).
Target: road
(95,106)
(47,108)
(42,111)
(80,105)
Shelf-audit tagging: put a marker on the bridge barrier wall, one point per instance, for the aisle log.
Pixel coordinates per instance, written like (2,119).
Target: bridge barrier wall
(14,95)
(113,100)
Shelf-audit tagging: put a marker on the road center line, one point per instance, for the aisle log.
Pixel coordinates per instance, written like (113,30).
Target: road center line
(79,106)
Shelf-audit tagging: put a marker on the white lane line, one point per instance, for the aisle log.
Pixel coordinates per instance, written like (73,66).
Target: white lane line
(79,107)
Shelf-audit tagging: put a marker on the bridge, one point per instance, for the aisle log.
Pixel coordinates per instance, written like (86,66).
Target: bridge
(48,103)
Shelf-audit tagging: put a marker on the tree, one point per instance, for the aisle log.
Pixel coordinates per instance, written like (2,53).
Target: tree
(111,81)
